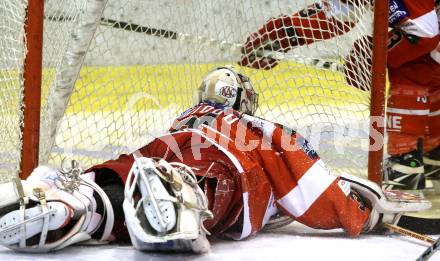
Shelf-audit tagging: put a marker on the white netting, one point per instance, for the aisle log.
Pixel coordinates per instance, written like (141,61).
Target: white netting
(132,84)
(12,53)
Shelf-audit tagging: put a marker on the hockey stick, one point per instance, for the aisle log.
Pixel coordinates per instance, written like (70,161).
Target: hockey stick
(410,233)
(429,251)
(124,26)
(223,45)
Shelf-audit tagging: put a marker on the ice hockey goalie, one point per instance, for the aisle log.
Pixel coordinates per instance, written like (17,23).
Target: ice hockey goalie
(219,171)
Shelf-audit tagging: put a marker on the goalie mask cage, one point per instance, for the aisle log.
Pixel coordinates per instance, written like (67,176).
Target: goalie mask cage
(114,74)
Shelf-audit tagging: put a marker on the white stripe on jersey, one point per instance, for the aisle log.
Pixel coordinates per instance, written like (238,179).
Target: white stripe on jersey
(247,225)
(434,113)
(423,26)
(408,112)
(309,188)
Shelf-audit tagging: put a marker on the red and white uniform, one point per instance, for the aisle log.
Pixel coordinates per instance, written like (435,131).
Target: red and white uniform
(413,110)
(253,169)
(413,60)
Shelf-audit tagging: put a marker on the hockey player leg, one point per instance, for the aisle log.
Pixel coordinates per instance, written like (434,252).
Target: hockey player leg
(164,207)
(405,171)
(428,222)
(51,218)
(407,118)
(431,158)
(431,161)
(386,207)
(319,21)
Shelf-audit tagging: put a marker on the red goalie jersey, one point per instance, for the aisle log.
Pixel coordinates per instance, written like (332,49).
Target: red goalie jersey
(251,169)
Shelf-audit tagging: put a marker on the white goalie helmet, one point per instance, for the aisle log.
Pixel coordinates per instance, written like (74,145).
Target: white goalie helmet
(164,207)
(230,89)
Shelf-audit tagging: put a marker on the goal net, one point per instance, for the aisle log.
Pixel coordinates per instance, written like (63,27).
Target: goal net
(116,74)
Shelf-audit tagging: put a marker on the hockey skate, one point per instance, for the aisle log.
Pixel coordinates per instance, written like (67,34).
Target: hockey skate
(432,169)
(427,222)
(404,172)
(386,206)
(432,164)
(53,209)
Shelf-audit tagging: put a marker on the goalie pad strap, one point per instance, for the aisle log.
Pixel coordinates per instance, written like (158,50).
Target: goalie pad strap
(108,214)
(169,192)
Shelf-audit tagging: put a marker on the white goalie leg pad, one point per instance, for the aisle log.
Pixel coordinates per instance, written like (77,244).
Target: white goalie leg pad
(164,207)
(387,206)
(60,215)
(70,199)
(42,177)
(159,211)
(11,193)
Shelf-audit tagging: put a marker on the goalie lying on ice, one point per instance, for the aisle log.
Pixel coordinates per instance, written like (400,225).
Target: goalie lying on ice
(219,169)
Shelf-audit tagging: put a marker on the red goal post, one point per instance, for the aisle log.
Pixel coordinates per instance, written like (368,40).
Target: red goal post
(377,110)
(32,86)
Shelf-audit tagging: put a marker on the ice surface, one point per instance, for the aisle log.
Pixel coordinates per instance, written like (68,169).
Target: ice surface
(293,242)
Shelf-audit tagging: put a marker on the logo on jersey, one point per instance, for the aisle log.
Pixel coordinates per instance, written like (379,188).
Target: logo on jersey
(397,12)
(185,112)
(422,99)
(306,147)
(228,92)
(394,122)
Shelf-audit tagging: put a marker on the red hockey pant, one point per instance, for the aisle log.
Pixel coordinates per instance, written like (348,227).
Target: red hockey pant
(413,110)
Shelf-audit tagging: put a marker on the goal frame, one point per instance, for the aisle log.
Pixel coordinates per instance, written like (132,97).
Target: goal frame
(377,104)
(33,77)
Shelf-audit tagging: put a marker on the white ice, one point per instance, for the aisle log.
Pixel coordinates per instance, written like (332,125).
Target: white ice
(293,242)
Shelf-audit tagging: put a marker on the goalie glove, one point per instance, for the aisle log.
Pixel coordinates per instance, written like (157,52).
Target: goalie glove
(386,206)
(52,210)
(164,207)
(277,35)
